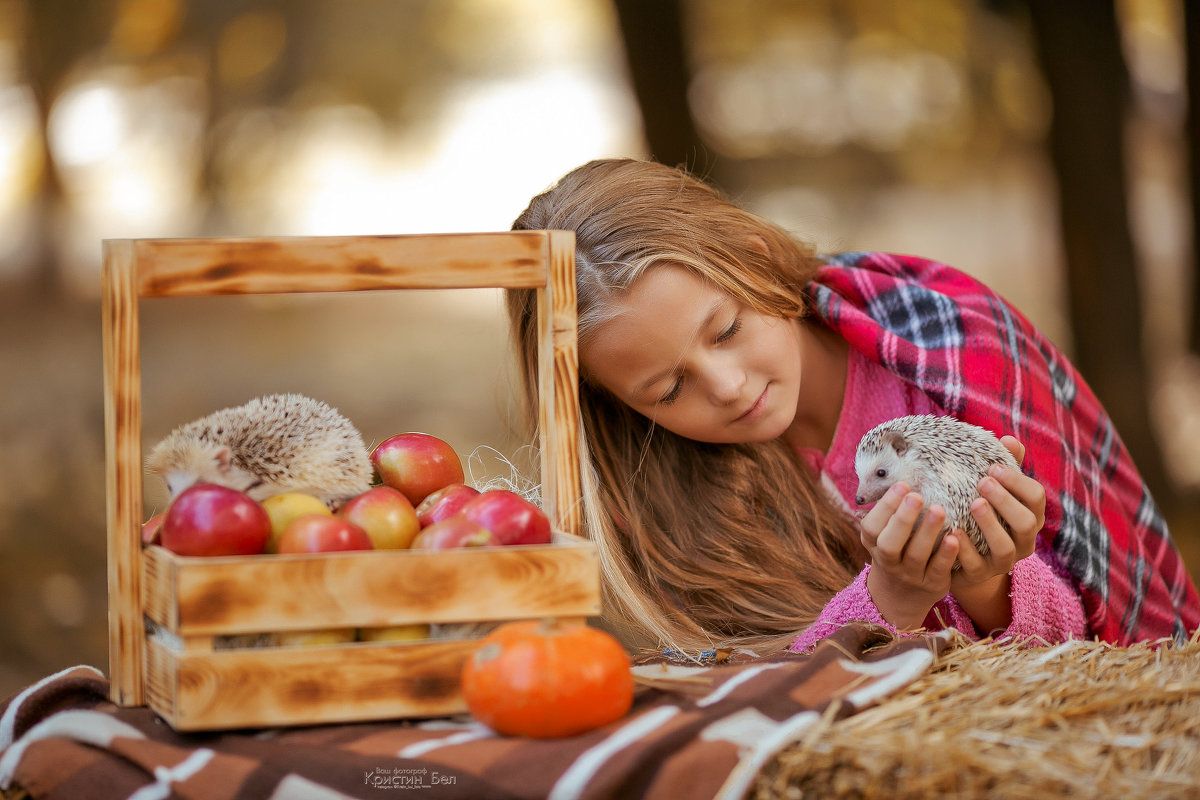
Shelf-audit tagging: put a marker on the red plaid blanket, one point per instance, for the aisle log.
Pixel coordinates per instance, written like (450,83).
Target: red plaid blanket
(983,362)
(695,731)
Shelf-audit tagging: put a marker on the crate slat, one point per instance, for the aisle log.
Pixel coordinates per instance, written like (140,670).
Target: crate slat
(258,594)
(201,267)
(158,582)
(306,685)
(558,390)
(123,471)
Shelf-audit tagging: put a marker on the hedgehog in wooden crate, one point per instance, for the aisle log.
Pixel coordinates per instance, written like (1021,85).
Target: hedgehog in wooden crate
(270,445)
(941,458)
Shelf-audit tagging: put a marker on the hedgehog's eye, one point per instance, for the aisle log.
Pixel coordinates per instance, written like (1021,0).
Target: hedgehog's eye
(881,473)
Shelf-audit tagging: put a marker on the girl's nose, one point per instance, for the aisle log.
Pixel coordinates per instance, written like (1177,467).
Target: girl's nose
(725,383)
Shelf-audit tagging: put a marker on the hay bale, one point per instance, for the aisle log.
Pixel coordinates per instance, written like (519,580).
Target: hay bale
(1081,719)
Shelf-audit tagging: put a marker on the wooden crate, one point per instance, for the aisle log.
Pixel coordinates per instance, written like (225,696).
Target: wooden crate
(195,685)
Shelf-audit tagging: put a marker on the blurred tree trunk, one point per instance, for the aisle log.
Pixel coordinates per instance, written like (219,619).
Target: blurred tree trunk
(1191,42)
(1079,47)
(653,34)
(205,23)
(59,33)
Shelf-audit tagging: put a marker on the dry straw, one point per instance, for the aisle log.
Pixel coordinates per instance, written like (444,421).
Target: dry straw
(1082,719)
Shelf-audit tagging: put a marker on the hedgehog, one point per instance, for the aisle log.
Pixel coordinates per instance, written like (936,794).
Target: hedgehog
(941,458)
(270,445)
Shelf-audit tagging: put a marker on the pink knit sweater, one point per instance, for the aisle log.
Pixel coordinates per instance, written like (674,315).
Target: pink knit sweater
(1045,603)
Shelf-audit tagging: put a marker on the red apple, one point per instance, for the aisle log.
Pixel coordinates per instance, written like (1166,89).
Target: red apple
(211,520)
(385,514)
(444,503)
(152,528)
(511,517)
(454,532)
(319,533)
(417,464)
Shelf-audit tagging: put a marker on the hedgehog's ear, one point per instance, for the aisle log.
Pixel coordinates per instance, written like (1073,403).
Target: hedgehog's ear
(896,441)
(223,459)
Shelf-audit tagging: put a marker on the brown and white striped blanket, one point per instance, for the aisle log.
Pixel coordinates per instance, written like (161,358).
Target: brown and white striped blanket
(695,731)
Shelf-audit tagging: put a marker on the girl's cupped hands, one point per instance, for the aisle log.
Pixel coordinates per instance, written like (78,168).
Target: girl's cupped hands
(912,565)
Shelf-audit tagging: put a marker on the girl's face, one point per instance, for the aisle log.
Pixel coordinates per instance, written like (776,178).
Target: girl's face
(696,361)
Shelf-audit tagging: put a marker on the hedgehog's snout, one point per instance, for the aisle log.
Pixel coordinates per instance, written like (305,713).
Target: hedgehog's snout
(869,491)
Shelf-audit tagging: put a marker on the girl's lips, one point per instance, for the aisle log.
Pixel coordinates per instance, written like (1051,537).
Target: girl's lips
(755,410)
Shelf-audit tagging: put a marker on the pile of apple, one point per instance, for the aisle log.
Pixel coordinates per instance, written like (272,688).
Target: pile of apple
(421,502)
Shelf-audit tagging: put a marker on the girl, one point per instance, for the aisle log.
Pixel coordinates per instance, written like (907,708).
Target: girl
(727,374)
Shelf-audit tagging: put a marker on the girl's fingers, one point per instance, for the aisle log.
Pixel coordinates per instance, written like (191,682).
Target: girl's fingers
(1006,503)
(950,549)
(875,520)
(1000,543)
(1026,490)
(1024,510)
(894,538)
(972,563)
(1014,446)
(925,541)
(1029,491)
(1003,551)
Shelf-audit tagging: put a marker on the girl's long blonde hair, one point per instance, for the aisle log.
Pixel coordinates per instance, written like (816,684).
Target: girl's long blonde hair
(700,544)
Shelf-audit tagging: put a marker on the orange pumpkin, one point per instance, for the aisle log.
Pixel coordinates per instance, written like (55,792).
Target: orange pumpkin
(547,679)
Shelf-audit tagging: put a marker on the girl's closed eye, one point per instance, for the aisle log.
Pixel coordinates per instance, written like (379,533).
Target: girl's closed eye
(677,385)
(673,393)
(731,331)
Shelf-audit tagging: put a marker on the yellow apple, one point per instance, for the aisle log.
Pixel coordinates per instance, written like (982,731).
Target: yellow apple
(385,514)
(395,633)
(284,508)
(314,638)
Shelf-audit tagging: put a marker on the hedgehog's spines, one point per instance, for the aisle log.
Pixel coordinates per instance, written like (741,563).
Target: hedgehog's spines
(278,443)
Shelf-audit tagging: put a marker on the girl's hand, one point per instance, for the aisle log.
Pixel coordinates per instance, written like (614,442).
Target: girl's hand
(982,585)
(1021,502)
(910,568)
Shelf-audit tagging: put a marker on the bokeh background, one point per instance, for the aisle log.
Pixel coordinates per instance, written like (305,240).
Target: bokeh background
(1041,145)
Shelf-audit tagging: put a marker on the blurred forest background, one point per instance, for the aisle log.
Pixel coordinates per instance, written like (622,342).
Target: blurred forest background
(1040,145)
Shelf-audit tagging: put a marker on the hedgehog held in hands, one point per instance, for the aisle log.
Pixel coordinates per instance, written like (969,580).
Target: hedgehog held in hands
(941,458)
(273,444)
